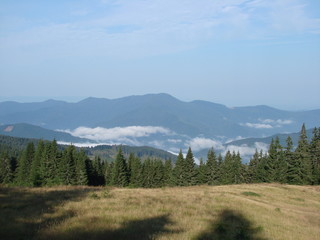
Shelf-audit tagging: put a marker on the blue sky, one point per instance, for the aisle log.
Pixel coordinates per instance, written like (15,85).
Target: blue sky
(234,52)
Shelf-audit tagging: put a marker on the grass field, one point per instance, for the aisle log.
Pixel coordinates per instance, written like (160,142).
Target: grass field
(257,211)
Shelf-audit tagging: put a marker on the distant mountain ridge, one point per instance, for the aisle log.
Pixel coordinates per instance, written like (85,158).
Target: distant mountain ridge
(191,118)
(157,120)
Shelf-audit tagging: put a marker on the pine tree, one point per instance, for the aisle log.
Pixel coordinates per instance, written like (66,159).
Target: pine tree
(120,175)
(252,168)
(168,173)
(6,173)
(68,166)
(135,171)
(178,171)
(227,169)
(303,154)
(35,174)
(81,172)
(315,155)
(293,174)
(98,172)
(108,173)
(189,169)
(212,168)
(24,166)
(202,173)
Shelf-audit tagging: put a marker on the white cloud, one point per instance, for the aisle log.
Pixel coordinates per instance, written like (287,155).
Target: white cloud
(245,150)
(119,134)
(257,125)
(199,143)
(278,121)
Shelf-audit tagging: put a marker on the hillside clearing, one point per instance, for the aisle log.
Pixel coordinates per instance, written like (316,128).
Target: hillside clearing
(256,211)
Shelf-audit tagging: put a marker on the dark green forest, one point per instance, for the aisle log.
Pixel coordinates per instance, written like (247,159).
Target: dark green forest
(44,163)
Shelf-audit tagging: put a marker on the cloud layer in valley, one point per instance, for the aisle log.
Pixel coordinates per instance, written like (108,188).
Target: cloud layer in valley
(117,134)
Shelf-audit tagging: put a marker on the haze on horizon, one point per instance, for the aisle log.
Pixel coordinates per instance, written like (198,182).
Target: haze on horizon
(237,53)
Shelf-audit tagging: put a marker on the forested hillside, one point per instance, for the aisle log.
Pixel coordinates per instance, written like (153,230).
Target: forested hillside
(44,164)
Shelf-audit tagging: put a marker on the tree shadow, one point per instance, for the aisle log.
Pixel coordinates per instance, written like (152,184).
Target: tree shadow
(24,211)
(142,229)
(231,225)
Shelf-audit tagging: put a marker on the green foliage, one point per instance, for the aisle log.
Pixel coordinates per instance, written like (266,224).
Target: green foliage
(48,164)
(120,173)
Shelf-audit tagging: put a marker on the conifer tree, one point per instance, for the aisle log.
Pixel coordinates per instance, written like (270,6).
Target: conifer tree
(168,173)
(81,172)
(68,166)
(178,171)
(24,166)
(189,169)
(212,168)
(35,174)
(315,155)
(293,174)
(202,173)
(303,154)
(120,176)
(135,171)
(252,168)
(6,173)
(108,173)
(227,169)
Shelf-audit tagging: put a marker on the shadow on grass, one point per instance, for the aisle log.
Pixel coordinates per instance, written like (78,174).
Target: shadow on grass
(231,225)
(142,229)
(24,211)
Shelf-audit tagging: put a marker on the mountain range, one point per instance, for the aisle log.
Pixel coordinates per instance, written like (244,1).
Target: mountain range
(157,120)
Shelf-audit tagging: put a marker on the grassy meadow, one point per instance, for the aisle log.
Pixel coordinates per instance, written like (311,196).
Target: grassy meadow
(256,211)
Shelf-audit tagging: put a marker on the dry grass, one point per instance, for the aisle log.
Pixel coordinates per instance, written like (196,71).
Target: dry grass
(257,211)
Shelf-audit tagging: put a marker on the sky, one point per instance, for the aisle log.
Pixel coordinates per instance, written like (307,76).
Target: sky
(233,52)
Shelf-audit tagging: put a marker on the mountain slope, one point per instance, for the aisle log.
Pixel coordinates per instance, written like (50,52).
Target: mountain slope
(24,130)
(189,118)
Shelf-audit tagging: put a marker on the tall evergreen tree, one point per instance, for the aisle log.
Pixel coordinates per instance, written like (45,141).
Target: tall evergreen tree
(81,172)
(35,174)
(6,172)
(168,173)
(120,174)
(178,171)
(294,169)
(202,173)
(315,155)
(24,166)
(189,169)
(212,168)
(68,166)
(135,168)
(303,154)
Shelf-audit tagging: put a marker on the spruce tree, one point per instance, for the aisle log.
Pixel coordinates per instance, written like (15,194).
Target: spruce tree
(68,166)
(315,155)
(189,169)
(202,173)
(252,168)
(212,168)
(81,172)
(178,171)
(135,171)
(6,173)
(303,154)
(35,174)
(120,175)
(168,173)
(24,166)
(293,174)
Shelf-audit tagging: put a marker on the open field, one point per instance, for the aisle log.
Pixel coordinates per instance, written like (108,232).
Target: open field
(257,211)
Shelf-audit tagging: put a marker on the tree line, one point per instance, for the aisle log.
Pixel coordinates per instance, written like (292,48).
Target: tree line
(48,165)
